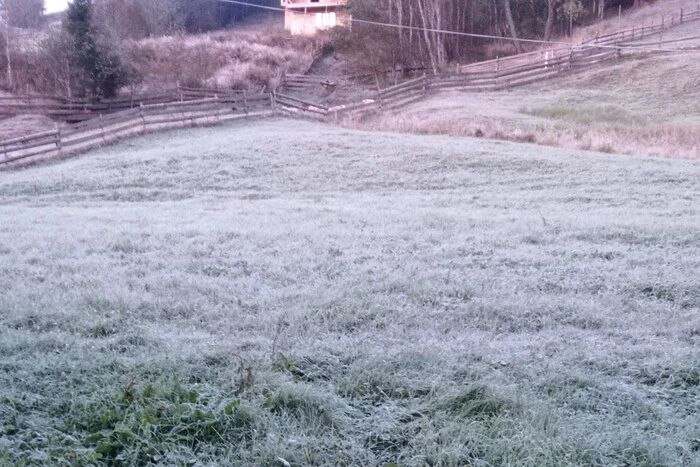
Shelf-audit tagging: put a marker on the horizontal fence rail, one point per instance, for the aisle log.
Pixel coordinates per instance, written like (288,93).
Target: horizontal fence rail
(105,129)
(76,110)
(388,98)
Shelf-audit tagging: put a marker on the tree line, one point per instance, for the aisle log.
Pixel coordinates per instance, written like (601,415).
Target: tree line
(135,19)
(85,56)
(420,38)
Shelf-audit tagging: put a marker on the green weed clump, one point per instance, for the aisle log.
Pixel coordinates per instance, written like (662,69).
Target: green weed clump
(475,402)
(163,422)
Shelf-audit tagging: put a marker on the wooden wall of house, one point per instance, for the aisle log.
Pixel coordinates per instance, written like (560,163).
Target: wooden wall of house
(300,23)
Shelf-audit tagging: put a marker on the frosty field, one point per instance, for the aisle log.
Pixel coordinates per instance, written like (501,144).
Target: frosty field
(287,293)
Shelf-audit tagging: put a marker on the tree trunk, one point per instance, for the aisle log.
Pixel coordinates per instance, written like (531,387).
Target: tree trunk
(426,36)
(400,20)
(511,25)
(6,21)
(550,20)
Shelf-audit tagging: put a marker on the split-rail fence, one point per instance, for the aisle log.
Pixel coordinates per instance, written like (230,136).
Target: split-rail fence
(108,128)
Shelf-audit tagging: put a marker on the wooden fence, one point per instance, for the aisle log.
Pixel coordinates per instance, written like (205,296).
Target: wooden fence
(77,110)
(503,73)
(305,83)
(105,129)
(639,32)
(389,98)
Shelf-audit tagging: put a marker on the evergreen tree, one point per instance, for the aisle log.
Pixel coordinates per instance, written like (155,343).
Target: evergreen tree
(102,72)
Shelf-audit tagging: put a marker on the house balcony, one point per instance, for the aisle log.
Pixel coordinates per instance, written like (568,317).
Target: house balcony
(309,4)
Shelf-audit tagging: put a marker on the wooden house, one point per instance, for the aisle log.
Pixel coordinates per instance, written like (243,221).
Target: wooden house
(306,17)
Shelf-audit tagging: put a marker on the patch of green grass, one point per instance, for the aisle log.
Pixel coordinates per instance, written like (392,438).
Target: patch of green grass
(168,421)
(675,378)
(475,402)
(586,114)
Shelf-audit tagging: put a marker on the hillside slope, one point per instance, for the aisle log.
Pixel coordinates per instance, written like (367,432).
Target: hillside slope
(650,13)
(246,58)
(644,104)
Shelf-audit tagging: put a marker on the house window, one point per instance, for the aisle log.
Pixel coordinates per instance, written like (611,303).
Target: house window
(325,20)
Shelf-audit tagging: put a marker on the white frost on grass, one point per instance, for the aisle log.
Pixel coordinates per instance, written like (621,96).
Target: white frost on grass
(392,270)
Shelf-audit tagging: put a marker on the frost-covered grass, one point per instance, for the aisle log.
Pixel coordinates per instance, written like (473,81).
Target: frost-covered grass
(286,293)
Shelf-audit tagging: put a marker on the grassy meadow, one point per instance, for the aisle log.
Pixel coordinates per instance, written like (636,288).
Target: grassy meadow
(643,104)
(284,293)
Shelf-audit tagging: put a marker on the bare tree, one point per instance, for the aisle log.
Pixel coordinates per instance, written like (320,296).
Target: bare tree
(135,19)
(55,64)
(160,16)
(24,13)
(5,25)
(550,20)
(511,25)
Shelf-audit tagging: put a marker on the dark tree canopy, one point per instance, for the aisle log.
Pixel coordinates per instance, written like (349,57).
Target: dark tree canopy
(135,19)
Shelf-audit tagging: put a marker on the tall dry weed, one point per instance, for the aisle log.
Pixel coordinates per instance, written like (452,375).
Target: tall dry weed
(224,59)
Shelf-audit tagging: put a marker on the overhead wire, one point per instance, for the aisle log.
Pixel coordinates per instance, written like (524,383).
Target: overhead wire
(478,36)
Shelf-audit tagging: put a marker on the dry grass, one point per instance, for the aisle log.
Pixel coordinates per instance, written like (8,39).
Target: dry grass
(250,59)
(639,106)
(649,14)
(240,295)
(23,125)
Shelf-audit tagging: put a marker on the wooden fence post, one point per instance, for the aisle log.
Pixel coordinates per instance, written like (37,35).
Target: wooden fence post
(58,142)
(216,100)
(4,149)
(497,75)
(102,129)
(681,16)
(425,84)
(379,91)
(272,102)
(245,102)
(143,117)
